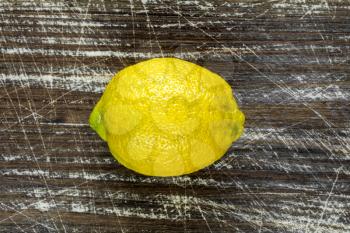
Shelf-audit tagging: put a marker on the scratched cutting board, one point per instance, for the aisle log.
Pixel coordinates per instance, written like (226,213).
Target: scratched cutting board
(287,61)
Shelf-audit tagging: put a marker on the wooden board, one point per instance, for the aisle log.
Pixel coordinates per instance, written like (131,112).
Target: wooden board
(287,61)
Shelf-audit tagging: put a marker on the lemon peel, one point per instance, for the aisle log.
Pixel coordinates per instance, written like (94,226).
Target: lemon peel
(167,117)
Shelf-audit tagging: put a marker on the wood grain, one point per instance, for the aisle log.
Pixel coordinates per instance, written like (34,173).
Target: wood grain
(287,61)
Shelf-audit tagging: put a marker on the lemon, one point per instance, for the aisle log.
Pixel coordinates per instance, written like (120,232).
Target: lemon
(167,117)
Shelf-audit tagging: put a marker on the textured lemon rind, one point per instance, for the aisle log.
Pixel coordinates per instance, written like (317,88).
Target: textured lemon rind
(138,102)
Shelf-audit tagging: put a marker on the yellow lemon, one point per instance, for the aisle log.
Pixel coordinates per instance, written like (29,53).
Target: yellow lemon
(167,117)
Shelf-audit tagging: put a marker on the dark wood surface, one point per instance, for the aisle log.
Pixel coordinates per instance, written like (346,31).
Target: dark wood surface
(287,61)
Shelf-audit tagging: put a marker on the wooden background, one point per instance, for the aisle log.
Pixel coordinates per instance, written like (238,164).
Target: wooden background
(288,62)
